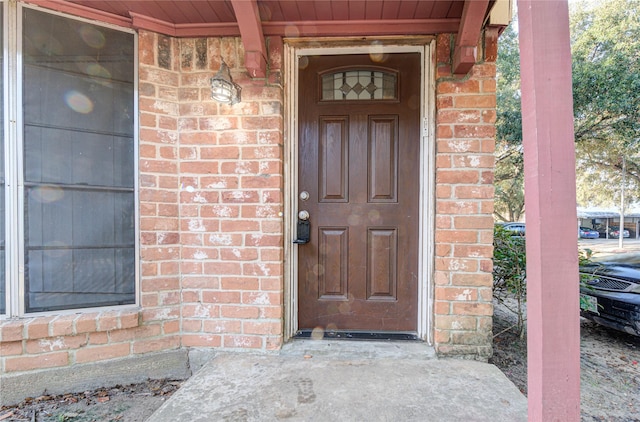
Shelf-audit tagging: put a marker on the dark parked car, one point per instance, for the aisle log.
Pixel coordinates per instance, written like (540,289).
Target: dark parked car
(610,292)
(587,233)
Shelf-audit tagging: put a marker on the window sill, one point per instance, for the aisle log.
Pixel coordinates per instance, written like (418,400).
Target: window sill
(36,327)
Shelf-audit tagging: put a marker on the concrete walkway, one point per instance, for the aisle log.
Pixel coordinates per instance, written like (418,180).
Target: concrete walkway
(345,381)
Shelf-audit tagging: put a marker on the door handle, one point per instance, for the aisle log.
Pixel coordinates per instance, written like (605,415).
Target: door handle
(303,229)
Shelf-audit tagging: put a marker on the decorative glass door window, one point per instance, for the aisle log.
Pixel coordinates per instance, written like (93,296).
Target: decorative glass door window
(359,85)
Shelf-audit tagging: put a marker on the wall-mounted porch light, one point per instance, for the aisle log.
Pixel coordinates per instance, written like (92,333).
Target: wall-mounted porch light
(223,89)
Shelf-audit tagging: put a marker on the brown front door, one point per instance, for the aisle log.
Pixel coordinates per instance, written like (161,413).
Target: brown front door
(359,149)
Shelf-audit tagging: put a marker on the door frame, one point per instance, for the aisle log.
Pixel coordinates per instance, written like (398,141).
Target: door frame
(294,49)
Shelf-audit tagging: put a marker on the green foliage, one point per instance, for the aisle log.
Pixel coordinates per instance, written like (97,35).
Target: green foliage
(510,273)
(605,44)
(606,94)
(509,174)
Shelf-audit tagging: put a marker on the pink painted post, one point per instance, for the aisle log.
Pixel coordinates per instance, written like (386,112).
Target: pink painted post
(550,200)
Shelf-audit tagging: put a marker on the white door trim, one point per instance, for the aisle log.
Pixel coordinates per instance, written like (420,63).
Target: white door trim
(295,49)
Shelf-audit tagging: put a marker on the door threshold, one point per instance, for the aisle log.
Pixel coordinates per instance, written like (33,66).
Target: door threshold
(357,335)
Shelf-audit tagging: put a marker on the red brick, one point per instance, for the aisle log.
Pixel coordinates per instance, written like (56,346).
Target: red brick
(239,283)
(441,308)
(456,264)
(262,328)
(160,314)
(237,138)
(148,151)
(443,221)
(97,353)
(442,336)
(145,331)
(475,101)
(444,101)
(27,363)
(189,340)
(458,116)
(474,131)
(262,298)
(264,240)
(39,327)
(11,348)
(171,327)
(218,123)
(457,176)
(456,322)
(158,195)
(469,86)
(441,278)
(273,254)
(158,136)
(146,47)
(191,325)
(200,311)
(471,279)
(222,326)
(11,331)
(460,308)
(476,161)
(216,296)
(244,342)
(86,323)
(456,207)
(456,294)
(240,196)
(200,282)
(443,48)
(99,338)
(473,222)
(474,192)
(443,191)
(489,116)
(262,269)
(485,70)
(230,311)
(55,343)
(220,152)
(273,284)
(458,146)
(227,226)
(456,236)
(198,167)
(196,138)
(159,76)
(475,251)
(154,345)
(443,250)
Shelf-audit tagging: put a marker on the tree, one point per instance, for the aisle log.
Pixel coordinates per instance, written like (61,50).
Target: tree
(509,173)
(606,93)
(605,39)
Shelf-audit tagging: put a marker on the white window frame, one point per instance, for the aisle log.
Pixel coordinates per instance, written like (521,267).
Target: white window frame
(13,148)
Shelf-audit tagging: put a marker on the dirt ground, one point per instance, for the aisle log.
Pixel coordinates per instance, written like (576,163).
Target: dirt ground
(609,362)
(131,403)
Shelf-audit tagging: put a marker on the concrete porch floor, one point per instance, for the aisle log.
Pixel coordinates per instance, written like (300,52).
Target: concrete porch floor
(345,381)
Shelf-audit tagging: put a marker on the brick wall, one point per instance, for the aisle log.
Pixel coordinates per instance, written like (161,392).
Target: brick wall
(210,204)
(210,199)
(465,131)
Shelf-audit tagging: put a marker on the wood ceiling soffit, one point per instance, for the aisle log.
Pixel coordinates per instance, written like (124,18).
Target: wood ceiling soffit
(248,18)
(466,46)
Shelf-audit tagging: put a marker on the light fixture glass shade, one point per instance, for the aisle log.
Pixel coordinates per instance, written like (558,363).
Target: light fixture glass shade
(223,89)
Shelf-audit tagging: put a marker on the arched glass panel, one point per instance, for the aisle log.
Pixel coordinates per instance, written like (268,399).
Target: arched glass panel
(359,85)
